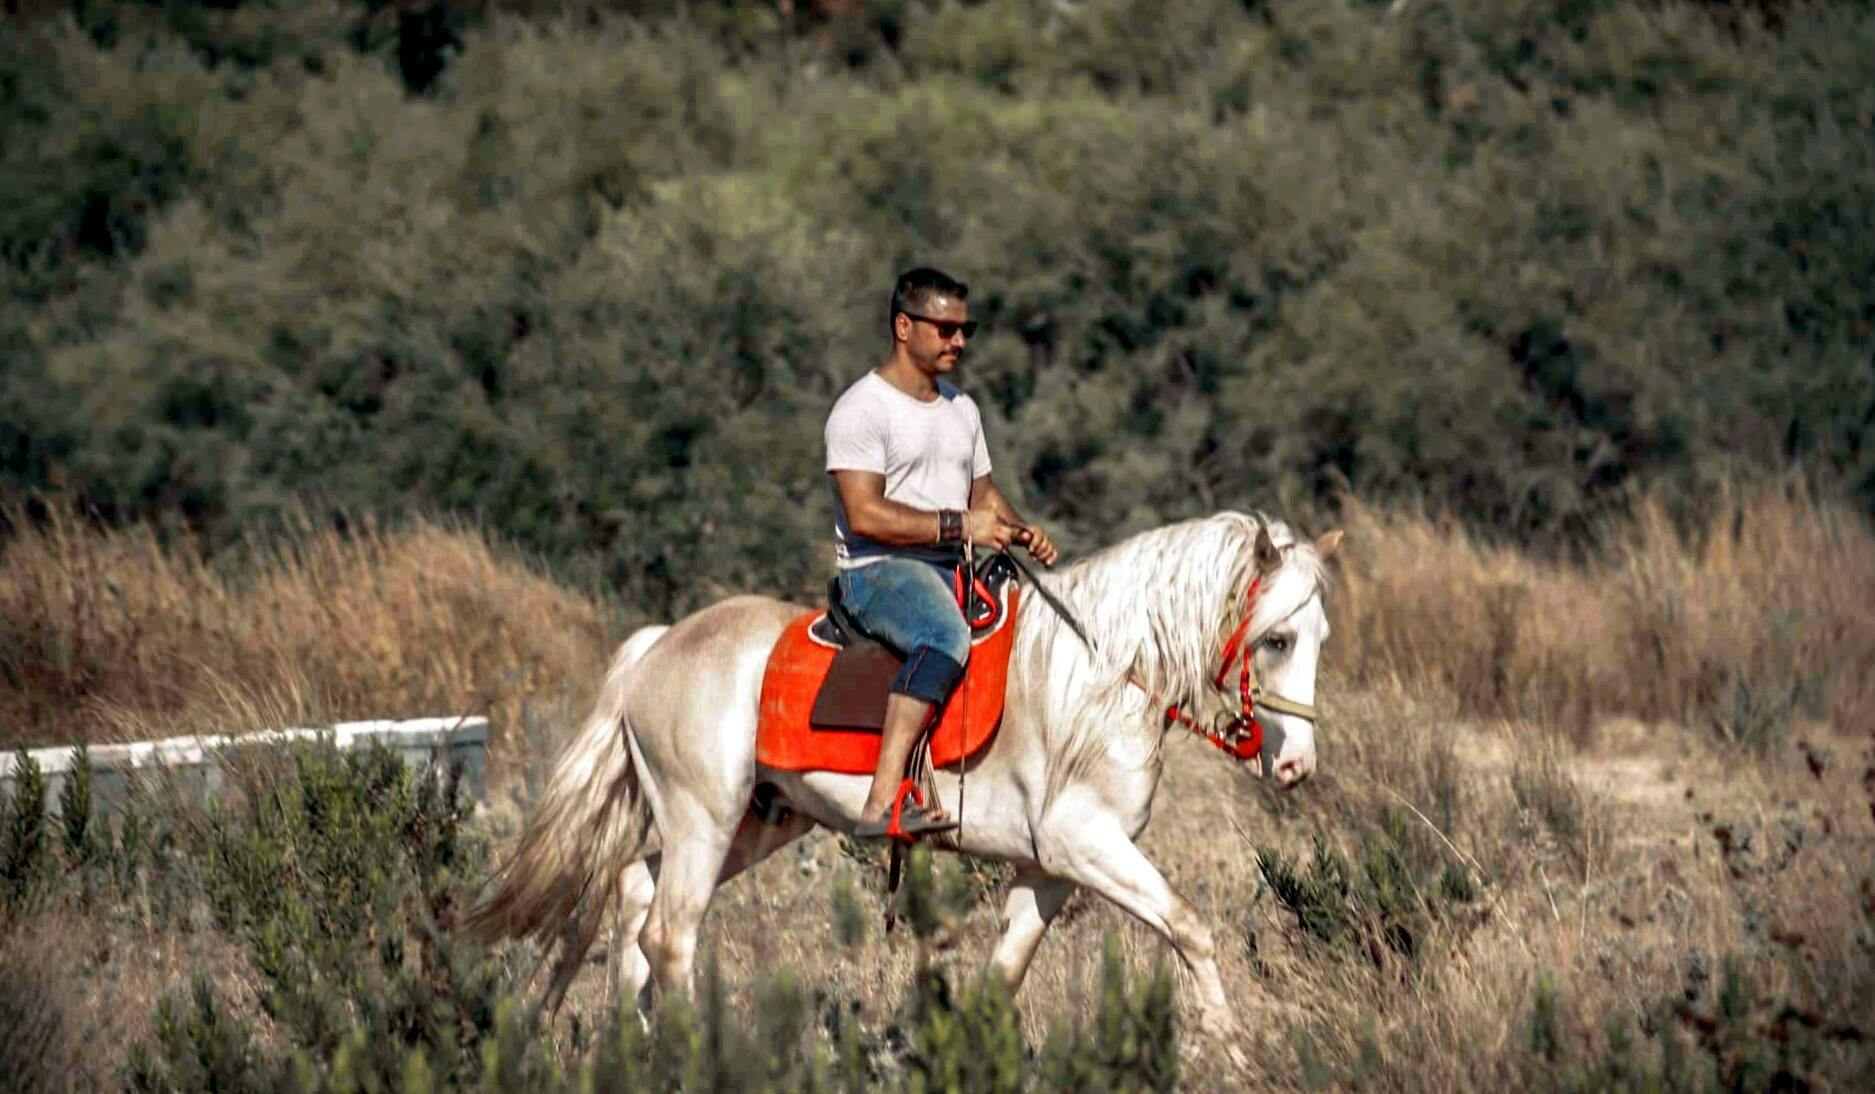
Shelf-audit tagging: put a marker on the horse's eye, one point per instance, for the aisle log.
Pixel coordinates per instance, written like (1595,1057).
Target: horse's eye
(1277,642)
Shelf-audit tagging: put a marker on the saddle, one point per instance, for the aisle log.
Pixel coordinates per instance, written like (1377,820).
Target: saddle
(825,689)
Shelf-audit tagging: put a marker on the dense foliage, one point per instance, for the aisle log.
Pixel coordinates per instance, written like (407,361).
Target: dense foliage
(596,278)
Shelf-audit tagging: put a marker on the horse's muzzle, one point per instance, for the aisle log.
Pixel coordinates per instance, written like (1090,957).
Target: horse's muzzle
(1291,770)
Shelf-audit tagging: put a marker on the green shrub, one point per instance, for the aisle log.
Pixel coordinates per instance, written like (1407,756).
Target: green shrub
(1388,901)
(24,843)
(1736,1040)
(86,174)
(337,874)
(199,1046)
(1132,1043)
(1512,260)
(75,830)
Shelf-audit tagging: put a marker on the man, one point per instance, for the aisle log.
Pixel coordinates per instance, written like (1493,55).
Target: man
(911,478)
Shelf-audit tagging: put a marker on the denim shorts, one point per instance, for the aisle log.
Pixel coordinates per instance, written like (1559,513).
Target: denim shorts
(908,604)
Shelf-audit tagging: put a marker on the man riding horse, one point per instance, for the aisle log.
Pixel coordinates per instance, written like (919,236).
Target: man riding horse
(911,479)
(1210,627)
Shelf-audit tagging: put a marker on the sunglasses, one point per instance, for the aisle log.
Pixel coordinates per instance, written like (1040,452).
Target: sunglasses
(946,328)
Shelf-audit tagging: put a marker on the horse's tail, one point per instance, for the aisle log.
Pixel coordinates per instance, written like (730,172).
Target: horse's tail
(592,822)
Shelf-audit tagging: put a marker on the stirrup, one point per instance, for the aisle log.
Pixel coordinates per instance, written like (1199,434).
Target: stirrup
(900,825)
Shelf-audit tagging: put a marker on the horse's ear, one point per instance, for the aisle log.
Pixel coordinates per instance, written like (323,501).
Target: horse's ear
(1268,558)
(1328,544)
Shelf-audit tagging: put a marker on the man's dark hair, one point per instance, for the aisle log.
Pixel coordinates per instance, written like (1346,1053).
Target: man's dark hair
(915,289)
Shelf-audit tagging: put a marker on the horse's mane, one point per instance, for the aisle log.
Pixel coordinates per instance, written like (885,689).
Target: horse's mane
(1158,604)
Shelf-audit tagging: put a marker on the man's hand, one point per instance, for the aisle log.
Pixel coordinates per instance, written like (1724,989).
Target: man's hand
(987,529)
(1040,547)
(991,530)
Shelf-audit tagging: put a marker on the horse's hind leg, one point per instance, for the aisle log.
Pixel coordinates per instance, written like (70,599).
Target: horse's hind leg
(695,849)
(636,888)
(753,842)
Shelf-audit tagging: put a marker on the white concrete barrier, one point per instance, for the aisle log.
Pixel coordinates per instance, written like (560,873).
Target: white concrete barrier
(195,760)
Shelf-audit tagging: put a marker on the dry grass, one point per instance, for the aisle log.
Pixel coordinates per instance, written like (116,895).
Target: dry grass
(82,987)
(1600,873)
(113,633)
(1471,701)
(1759,616)
(1604,871)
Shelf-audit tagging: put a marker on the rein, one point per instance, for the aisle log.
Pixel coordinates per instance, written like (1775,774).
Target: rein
(1238,734)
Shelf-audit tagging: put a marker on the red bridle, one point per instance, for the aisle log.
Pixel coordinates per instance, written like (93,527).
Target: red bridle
(1242,738)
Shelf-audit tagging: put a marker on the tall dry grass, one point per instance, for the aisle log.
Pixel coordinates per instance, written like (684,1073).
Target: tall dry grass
(1626,877)
(1603,874)
(112,632)
(1756,617)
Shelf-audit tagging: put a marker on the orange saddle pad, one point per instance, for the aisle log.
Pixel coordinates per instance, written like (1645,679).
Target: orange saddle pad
(787,739)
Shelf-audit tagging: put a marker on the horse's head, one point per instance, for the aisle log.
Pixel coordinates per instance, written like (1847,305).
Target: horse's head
(1274,674)
(1158,596)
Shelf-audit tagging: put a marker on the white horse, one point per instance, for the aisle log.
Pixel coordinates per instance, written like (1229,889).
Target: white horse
(651,801)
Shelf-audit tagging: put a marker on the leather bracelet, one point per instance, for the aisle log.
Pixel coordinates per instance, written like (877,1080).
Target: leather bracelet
(950,527)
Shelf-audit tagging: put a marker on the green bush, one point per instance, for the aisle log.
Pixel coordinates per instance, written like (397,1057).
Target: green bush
(336,875)
(1132,1043)
(199,1046)
(1731,1039)
(76,834)
(600,282)
(24,842)
(1384,905)
(339,878)
(84,177)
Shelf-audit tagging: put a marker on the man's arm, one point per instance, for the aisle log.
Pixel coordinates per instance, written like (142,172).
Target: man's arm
(871,514)
(984,495)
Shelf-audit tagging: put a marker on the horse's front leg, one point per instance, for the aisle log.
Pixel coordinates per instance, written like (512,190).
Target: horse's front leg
(1034,901)
(1090,847)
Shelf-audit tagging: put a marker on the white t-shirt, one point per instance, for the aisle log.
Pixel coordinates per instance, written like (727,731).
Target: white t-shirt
(929,453)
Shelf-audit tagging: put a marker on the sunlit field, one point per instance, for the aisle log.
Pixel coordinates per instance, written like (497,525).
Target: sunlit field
(372,360)
(1535,852)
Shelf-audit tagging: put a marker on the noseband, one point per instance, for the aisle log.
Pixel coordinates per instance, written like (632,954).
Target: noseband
(1237,733)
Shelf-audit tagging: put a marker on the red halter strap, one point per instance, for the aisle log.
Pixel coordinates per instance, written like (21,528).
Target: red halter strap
(1245,740)
(1234,643)
(1243,737)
